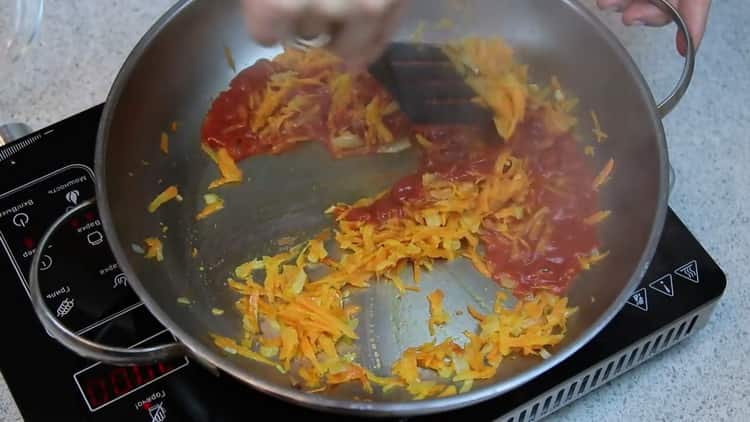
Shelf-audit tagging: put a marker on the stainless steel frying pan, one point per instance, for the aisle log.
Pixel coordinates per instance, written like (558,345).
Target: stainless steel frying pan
(179,66)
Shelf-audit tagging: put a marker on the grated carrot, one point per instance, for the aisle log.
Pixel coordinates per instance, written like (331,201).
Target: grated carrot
(229,58)
(213,205)
(165,196)
(475,314)
(500,82)
(519,329)
(604,175)
(293,305)
(589,260)
(313,320)
(230,173)
(164,143)
(599,134)
(154,249)
(597,217)
(438,316)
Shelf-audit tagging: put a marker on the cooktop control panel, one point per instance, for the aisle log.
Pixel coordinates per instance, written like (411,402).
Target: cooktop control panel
(79,277)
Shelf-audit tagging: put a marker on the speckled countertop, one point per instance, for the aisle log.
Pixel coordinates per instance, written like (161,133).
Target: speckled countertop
(84,42)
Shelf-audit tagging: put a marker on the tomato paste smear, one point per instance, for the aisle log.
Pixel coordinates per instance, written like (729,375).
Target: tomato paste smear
(561,181)
(561,184)
(227,123)
(457,153)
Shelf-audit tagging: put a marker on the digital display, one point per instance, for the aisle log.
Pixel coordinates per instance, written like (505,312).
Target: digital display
(101,384)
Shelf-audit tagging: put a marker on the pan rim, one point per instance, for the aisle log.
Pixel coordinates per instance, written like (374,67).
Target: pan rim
(213,357)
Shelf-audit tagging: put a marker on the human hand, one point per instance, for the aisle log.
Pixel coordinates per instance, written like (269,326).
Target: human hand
(643,12)
(358,28)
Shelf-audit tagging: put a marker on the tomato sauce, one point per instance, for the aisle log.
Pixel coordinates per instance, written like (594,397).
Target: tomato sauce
(550,161)
(391,205)
(458,153)
(561,182)
(228,121)
(457,156)
(225,125)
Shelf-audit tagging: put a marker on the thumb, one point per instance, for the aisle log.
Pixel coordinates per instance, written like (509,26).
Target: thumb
(695,13)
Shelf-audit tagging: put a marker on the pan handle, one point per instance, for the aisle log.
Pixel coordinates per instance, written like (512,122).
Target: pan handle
(82,346)
(674,97)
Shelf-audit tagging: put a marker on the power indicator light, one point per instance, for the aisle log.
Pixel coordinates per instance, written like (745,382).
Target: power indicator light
(28,243)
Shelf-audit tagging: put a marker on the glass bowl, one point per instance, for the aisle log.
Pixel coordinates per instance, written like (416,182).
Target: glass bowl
(19,24)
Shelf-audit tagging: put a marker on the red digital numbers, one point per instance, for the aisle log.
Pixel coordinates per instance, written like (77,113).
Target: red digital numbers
(120,380)
(96,392)
(165,367)
(103,383)
(139,377)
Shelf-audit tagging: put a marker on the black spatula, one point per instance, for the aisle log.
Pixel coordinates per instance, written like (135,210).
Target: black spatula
(427,86)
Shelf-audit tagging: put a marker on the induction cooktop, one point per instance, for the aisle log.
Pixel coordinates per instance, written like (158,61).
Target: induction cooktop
(45,173)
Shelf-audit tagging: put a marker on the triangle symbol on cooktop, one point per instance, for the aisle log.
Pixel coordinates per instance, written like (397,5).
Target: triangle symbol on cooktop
(664,285)
(689,272)
(639,299)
